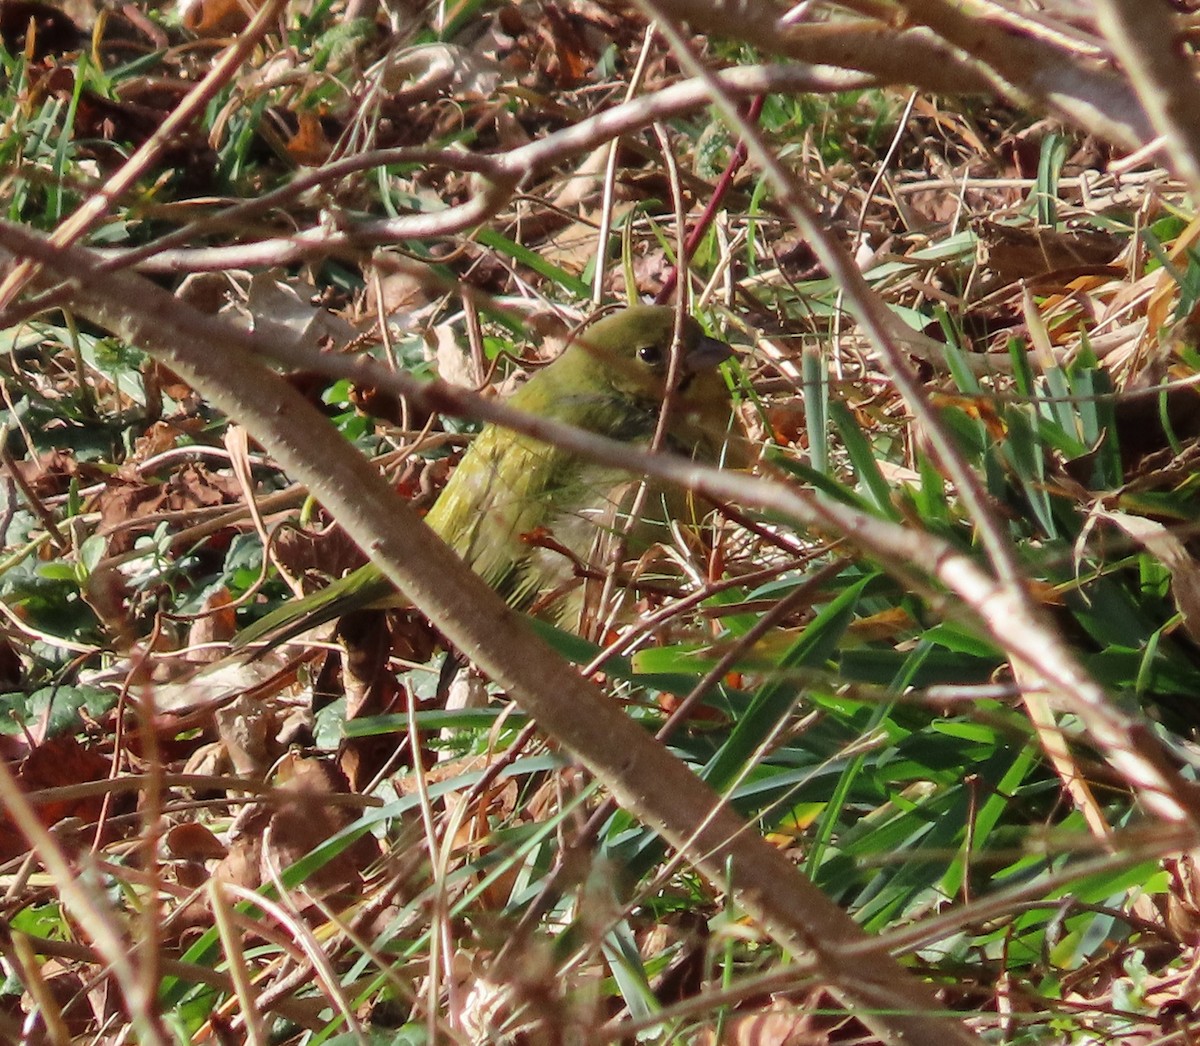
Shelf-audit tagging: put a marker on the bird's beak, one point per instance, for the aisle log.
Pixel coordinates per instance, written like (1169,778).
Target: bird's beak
(708,353)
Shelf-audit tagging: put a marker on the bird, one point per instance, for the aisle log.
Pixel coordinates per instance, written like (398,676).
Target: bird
(524,514)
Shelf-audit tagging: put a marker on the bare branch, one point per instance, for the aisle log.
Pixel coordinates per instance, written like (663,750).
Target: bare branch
(1145,37)
(957,53)
(499,175)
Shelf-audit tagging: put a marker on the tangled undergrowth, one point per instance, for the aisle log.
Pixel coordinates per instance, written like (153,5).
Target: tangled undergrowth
(939,645)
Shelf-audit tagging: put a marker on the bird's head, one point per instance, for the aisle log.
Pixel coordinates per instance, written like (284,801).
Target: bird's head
(631,350)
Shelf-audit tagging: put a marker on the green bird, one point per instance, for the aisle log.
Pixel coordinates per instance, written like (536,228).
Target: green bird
(525,515)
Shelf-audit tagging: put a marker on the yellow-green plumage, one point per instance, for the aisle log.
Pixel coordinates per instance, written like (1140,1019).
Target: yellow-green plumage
(510,488)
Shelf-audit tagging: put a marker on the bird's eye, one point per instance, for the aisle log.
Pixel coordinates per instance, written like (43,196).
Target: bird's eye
(651,355)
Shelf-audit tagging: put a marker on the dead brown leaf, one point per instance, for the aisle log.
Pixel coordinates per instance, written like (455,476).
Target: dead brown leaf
(217,17)
(132,497)
(56,763)
(304,818)
(194,842)
(51,472)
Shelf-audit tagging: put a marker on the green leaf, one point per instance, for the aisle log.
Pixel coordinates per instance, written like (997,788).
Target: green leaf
(862,457)
(774,701)
(534,261)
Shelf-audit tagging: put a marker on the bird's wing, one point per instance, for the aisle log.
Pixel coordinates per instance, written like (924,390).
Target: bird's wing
(502,490)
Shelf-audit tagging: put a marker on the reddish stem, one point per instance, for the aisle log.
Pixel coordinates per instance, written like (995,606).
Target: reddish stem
(714,202)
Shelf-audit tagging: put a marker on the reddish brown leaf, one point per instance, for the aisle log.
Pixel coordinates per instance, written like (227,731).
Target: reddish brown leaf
(194,842)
